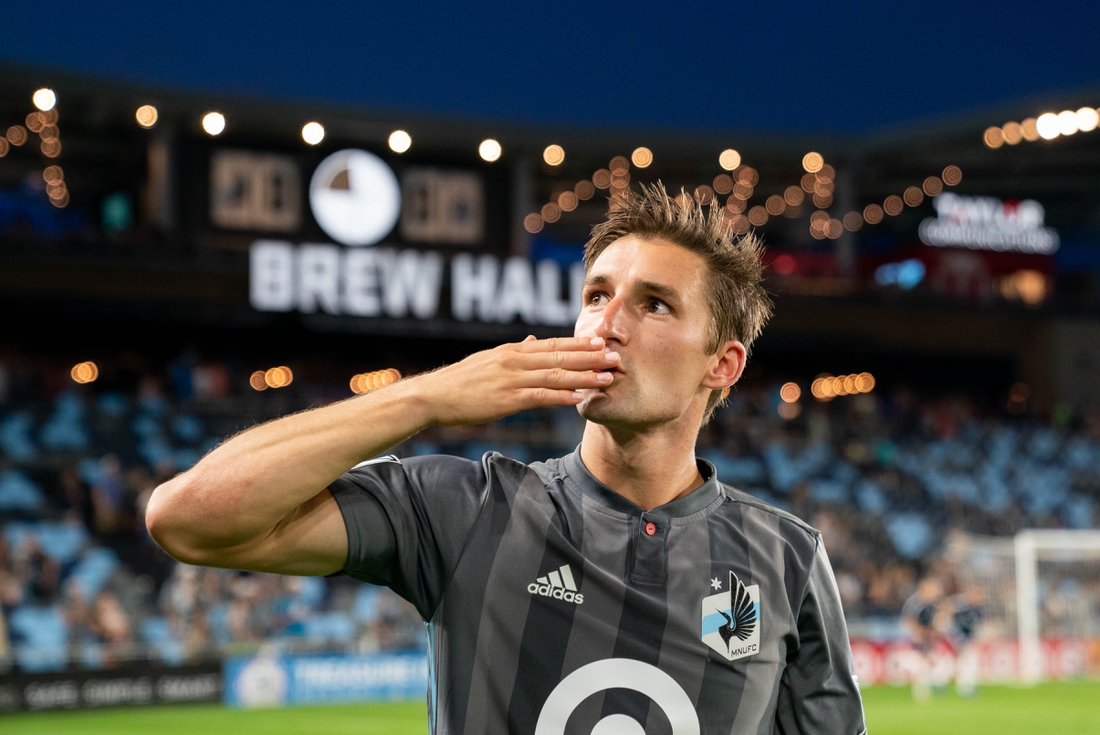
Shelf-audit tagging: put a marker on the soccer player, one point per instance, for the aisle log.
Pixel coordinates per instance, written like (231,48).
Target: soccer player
(967,612)
(619,589)
(924,618)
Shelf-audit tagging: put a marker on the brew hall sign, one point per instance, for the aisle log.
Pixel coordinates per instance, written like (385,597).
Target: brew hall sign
(356,199)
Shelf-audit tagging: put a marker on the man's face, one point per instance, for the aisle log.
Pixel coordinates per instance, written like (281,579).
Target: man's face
(647,299)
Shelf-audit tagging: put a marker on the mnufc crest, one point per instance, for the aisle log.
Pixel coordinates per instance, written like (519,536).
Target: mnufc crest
(558,584)
(731,620)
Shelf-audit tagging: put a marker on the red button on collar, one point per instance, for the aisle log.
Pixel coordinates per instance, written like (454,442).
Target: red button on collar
(650,528)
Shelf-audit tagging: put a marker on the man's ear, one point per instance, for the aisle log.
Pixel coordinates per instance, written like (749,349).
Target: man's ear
(726,368)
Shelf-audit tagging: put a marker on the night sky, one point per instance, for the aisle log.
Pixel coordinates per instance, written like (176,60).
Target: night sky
(842,66)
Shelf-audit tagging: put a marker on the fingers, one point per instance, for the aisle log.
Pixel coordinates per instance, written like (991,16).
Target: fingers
(557,344)
(558,378)
(544,397)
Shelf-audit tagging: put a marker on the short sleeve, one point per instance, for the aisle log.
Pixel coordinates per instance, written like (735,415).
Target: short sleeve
(819,692)
(408,521)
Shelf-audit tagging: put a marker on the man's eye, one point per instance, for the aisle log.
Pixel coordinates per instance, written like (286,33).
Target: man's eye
(597,298)
(656,306)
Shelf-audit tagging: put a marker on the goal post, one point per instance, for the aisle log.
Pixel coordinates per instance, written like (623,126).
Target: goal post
(1033,548)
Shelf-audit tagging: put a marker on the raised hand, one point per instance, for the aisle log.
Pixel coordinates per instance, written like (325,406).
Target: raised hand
(514,377)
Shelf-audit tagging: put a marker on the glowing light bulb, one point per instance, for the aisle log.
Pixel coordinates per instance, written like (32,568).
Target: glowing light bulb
(400,141)
(313,133)
(146,116)
(641,157)
(213,123)
(1048,126)
(729,159)
(1087,119)
(44,99)
(554,155)
(1067,122)
(489,150)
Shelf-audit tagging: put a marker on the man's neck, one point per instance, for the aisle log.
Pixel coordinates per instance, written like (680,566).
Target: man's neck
(648,468)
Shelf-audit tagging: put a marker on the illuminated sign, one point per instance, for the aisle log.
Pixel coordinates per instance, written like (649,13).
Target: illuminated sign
(987,223)
(255,191)
(383,282)
(355,197)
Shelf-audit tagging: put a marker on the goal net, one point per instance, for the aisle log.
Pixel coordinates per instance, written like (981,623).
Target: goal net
(1041,602)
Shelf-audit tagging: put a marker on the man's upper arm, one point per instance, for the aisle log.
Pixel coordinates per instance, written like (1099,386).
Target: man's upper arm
(819,691)
(407,522)
(310,541)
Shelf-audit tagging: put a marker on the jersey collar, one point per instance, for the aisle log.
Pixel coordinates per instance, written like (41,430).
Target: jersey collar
(695,501)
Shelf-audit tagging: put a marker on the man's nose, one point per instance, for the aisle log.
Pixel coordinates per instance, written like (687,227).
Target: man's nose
(610,324)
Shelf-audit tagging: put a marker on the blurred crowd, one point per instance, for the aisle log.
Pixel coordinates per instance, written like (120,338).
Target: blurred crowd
(885,476)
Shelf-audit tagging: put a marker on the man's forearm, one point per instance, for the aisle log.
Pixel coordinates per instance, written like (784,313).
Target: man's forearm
(243,489)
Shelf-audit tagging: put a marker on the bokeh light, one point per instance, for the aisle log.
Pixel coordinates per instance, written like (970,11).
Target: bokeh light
(50,147)
(602,178)
(17,135)
(729,159)
(723,183)
(852,221)
(1029,128)
(44,99)
(584,190)
(35,121)
(313,133)
(213,123)
(568,201)
(758,216)
(84,372)
(748,175)
(256,380)
(793,196)
(642,157)
(1048,126)
(553,154)
(790,392)
(1012,133)
(893,205)
(146,116)
(551,212)
(489,150)
(619,165)
(823,201)
(952,175)
(400,141)
(913,196)
(809,181)
(775,205)
(278,377)
(533,223)
(1067,122)
(993,137)
(812,162)
(703,194)
(367,382)
(1087,119)
(833,229)
(872,214)
(4,147)
(932,186)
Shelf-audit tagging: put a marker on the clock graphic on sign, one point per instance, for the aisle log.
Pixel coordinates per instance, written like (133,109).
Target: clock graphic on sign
(355,197)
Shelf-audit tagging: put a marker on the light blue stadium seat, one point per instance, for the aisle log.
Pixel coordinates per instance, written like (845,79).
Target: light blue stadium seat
(95,567)
(19,493)
(40,637)
(910,533)
(365,607)
(113,404)
(65,429)
(157,633)
(187,428)
(62,542)
(15,436)
(735,471)
(331,627)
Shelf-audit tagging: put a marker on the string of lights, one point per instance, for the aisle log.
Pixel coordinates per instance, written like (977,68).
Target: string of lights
(367,382)
(276,377)
(43,123)
(1048,126)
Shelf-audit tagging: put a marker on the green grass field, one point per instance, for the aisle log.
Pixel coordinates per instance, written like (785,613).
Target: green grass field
(1050,709)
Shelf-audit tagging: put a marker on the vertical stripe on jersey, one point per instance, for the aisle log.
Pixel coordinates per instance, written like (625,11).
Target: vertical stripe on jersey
(604,548)
(723,681)
(500,636)
(688,582)
(450,695)
(641,628)
(765,668)
(549,621)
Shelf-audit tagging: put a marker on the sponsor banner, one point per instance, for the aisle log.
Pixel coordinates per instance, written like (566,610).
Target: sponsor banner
(275,681)
(128,686)
(987,223)
(991,661)
(384,282)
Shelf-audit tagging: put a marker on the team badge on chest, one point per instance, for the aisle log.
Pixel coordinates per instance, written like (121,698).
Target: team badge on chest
(731,619)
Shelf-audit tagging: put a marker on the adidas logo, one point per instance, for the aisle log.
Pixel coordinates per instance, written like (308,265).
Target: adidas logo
(557,584)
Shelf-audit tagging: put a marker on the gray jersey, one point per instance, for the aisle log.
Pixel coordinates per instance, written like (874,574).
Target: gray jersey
(554,604)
